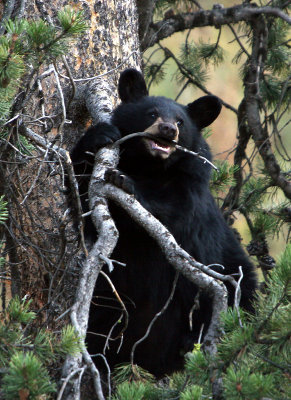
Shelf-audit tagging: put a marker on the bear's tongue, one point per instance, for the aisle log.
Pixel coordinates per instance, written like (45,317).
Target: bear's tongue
(159,146)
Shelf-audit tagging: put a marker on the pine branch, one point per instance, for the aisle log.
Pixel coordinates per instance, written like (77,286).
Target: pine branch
(185,72)
(217,17)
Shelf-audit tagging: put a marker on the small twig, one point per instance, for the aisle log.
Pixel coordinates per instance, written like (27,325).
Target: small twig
(76,371)
(178,147)
(120,344)
(108,372)
(105,73)
(108,262)
(195,306)
(238,40)
(64,112)
(237,295)
(200,334)
(71,79)
(172,142)
(49,146)
(285,368)
(197,4)
(108,337)
(182,90)
(32,187)
(11,120)
(63,314)
(155,318)
(118,298)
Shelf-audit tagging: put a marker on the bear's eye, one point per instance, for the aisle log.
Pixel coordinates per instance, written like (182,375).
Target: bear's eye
(179,122)
(153,114)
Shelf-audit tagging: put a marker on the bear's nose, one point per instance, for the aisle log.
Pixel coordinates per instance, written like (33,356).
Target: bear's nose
(167,130)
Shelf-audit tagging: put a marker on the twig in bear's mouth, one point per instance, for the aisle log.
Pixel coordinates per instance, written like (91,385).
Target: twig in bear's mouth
(178,147)
(163,140)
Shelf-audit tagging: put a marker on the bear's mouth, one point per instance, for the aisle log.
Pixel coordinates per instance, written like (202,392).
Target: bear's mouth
(159,146)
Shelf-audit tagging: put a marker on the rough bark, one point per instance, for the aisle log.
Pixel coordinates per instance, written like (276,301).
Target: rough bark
(80,88)
(145,14)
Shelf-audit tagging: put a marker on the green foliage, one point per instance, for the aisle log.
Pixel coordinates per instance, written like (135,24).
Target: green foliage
(27,377)
(266,215)
(241,383)
(33,42)
(271,89)
(277,61)
(222,178)
(69,342)
(3,210)
(210,53)
(256,355)
(265,223)
(206,132)
(193,63)
(251,196)
(197,365)
(18,311)
(132,391)
(26,357)
(72,22)
(154,73)
(128,372)
(193,393)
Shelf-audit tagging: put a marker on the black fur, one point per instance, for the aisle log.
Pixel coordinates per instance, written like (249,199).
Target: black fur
(174,189)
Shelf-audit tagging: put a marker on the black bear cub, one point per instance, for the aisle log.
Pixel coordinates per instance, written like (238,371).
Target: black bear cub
(174,187)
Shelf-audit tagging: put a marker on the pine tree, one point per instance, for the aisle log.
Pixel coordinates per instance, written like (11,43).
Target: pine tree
(28,354)
(48,90)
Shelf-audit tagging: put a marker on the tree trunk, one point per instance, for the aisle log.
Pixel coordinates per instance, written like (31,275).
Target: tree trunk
(59,102)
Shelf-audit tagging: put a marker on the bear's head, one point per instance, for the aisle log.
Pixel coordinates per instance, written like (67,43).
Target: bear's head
(167,121)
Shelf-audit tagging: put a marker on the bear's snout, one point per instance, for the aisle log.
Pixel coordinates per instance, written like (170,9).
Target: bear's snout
(167,130)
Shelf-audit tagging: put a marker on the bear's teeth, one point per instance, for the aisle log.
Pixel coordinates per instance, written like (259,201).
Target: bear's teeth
(156,146)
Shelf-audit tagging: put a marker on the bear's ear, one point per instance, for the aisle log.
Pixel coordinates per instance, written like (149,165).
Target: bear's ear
(204,110)
(131,86)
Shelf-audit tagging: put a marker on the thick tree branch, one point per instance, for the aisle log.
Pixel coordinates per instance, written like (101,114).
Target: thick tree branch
(231,200)
(216,17)
(181,261)
(252,98)
(145,14)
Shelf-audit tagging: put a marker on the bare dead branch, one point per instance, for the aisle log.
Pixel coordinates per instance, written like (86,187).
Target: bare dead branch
(66,380)
(116,294)
(56,150)
(237,294)
(195,306)
(158,314)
